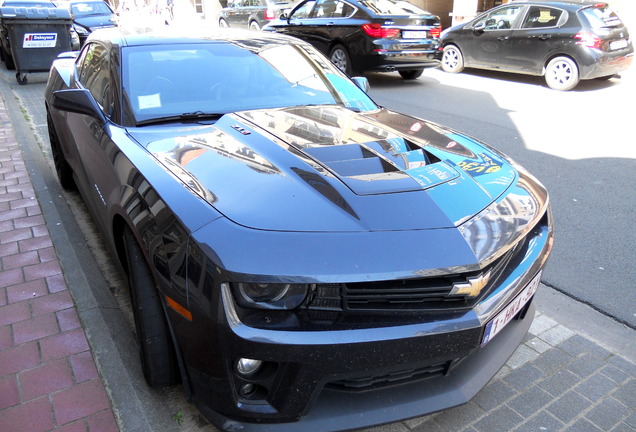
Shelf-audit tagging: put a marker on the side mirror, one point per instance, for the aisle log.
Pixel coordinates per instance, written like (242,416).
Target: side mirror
(78,101)
(362,82)
(479,27)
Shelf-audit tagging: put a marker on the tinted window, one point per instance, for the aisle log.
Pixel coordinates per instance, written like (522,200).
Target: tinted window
(94,74)
(304,10)
(601,16)
(390,7)
(224,78)
(332,9)
(500,19)
(540,16)
(86,9)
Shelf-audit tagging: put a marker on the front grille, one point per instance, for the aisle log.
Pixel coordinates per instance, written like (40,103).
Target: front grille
(422,294)
(393,378)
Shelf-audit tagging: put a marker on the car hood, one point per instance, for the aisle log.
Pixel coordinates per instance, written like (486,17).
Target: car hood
(329,169)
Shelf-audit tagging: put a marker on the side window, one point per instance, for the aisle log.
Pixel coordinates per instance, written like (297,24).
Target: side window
(331,9)
(501,19)
(94,75)
(541,16)
(303,11)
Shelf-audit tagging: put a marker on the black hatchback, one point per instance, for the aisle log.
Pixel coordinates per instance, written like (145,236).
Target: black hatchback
(367,35)
(565,41)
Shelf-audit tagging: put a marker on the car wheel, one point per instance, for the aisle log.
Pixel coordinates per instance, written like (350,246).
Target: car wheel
(158,357)
(562,74)
(223,23)
(340,57)
(452,59)
(411,74)
(62,168)
(254,26)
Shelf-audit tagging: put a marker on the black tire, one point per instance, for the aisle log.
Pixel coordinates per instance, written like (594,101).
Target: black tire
(452,59)
(21,78)
(62,168)
(411,74)
(158,357)
(223,23)
(562,73)
(340,57)
(254,26)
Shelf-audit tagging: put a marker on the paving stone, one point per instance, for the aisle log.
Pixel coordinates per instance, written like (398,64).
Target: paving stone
(13,313)
(457,418)
(429,425)
(568,406)
(595,387)
(83,366)
(586,365)
(623,365)
(26,291)
(51,303)
(501,419)
(541,324)
(494,395)
(56,283)
(38,413)
(63,345)
(19,358)
(37,244)
(78,426)
(614,373)
(11,277)
(20,260)
(524,377)
(6,340)
(68,319)
(577,345)
(521,356)
(105,422)
(552,360)
(9,392)
(42,270)
(79,401)
(584,425)
(542,422)
(35,328)
(538,345)
(559,383)
(627,394)
(608,413)
(530,401)
(45,379)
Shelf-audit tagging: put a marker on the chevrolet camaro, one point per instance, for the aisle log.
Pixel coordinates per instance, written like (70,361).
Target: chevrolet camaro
(298,257)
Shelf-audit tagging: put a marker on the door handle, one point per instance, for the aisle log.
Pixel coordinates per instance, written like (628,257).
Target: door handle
(503,38)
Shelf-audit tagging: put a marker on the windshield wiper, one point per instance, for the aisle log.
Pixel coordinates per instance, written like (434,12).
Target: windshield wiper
(193,116)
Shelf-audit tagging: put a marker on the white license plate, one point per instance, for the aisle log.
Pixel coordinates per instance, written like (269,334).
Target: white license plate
(619,44)
(508,313)
(414,34)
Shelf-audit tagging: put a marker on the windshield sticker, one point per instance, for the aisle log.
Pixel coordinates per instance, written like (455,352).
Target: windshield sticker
(149,101)
(39,40)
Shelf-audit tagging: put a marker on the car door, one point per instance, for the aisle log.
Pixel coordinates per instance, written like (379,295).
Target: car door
(94,148)
(488,43)
(299,23)
(538,35)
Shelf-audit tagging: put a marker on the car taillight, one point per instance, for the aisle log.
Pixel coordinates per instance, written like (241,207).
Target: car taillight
(436,32)
(377,31)
(270,14)
(589,40)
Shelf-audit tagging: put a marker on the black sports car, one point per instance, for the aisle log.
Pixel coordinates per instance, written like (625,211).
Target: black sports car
(367,35)
(298,256)
(565,41)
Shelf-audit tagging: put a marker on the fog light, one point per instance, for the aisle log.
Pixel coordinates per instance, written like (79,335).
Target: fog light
(248,390)
(246,366)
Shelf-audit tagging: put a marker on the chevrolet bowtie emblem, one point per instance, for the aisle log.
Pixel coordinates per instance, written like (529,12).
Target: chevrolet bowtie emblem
(472,287)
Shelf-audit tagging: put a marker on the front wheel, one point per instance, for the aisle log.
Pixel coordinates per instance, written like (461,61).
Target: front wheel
(562,73)
(340,57)
(452,59)
(254,26)
(223,23)
(411,74)
(62,168)
(158,357)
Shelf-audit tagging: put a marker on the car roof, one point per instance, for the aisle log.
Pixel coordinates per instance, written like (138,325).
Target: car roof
(565,4)
(129,37)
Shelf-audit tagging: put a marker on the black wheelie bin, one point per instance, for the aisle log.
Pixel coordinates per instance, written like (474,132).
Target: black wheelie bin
(33,37)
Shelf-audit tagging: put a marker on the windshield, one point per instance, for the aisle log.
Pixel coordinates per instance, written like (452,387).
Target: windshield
(86,9)
(218,78)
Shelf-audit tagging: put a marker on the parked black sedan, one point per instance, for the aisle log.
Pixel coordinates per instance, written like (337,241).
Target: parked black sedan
(300,257)
(565,41)
(89,15)
(367,35)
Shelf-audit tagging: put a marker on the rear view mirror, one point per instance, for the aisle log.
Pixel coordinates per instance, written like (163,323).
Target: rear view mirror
(479,27)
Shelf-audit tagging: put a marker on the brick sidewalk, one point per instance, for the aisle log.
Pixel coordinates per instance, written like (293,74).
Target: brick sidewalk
(48,378)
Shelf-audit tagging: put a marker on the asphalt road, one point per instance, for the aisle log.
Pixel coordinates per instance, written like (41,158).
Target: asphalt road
(580,144)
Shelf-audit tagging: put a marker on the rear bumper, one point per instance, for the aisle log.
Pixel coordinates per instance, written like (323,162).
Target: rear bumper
(606,64)
(386,55)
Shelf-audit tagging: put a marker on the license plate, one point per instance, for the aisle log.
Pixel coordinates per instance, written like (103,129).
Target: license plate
(508,313)
(414,34)
(619,44)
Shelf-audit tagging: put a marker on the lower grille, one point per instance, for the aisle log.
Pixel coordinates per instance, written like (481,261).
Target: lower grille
(393,378)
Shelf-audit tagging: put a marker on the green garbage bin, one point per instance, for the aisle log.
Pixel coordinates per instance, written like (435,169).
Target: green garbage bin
(33,37)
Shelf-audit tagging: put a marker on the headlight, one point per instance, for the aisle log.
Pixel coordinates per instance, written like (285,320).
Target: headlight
(80,30)
(270,296)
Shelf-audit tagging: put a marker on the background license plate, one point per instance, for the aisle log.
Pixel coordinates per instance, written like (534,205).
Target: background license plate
(414,34)
(509,312)
(619,44)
